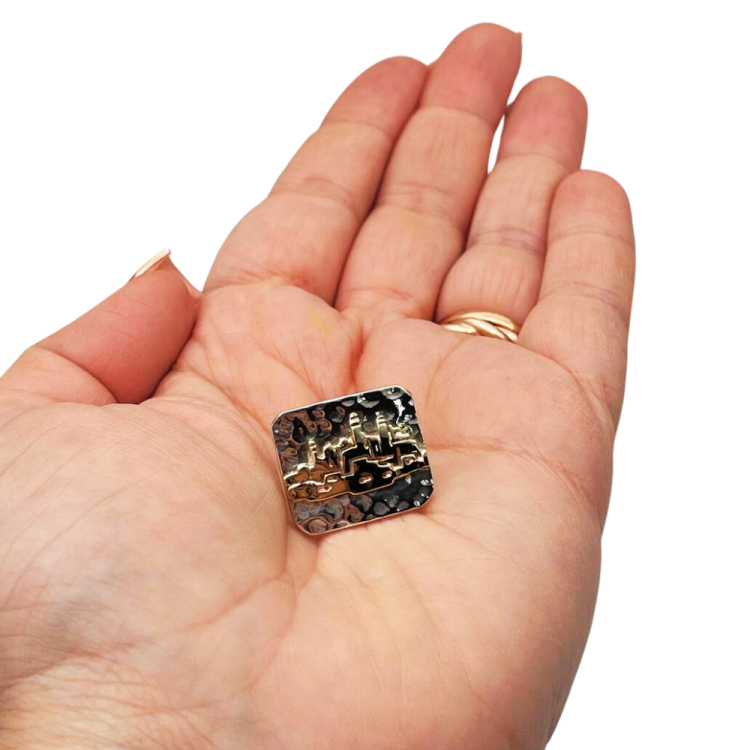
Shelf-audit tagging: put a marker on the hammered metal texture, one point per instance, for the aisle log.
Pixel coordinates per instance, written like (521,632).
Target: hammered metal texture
(352,459)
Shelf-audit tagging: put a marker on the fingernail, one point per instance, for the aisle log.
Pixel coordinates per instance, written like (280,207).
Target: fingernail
(152,263)
(519,34)
(163,261)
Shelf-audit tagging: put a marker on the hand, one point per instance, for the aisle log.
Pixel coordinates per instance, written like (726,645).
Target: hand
(153,591)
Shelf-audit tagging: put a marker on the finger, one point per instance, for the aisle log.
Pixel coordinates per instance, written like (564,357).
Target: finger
(117,352)
(542,142)
(583,314)
(300,234)
(424,206)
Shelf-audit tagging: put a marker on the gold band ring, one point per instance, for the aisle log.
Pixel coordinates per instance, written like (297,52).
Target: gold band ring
(483,324)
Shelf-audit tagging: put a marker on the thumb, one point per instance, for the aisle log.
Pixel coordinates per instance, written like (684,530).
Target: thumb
(120,350)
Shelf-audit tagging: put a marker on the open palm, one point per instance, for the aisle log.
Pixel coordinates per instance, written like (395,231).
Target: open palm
(154,592)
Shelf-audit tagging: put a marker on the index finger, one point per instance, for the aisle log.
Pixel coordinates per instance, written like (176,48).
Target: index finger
(301,233)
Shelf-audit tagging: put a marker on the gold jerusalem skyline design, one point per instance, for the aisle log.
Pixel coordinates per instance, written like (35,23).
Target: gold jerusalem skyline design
(356,463)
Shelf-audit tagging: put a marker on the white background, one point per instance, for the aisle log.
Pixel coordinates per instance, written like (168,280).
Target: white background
(127,127)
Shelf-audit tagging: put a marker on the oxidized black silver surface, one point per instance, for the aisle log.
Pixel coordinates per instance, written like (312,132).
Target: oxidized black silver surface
(352,459)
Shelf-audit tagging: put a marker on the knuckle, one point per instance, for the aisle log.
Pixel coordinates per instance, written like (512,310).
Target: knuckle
(322,187)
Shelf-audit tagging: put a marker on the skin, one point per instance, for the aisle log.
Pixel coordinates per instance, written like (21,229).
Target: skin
(153,592)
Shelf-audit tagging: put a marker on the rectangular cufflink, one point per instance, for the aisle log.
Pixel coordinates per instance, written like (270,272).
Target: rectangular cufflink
(352,460)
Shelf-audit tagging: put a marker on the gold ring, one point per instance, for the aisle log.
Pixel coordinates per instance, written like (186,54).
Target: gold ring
(483,324)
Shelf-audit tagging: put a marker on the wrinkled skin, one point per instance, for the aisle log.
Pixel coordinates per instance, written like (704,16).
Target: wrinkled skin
(154,592)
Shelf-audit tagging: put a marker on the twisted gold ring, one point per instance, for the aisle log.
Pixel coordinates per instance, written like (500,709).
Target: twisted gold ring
(483,324)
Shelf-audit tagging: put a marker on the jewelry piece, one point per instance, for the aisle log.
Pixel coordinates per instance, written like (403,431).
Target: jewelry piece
(352,459)
(483,324)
